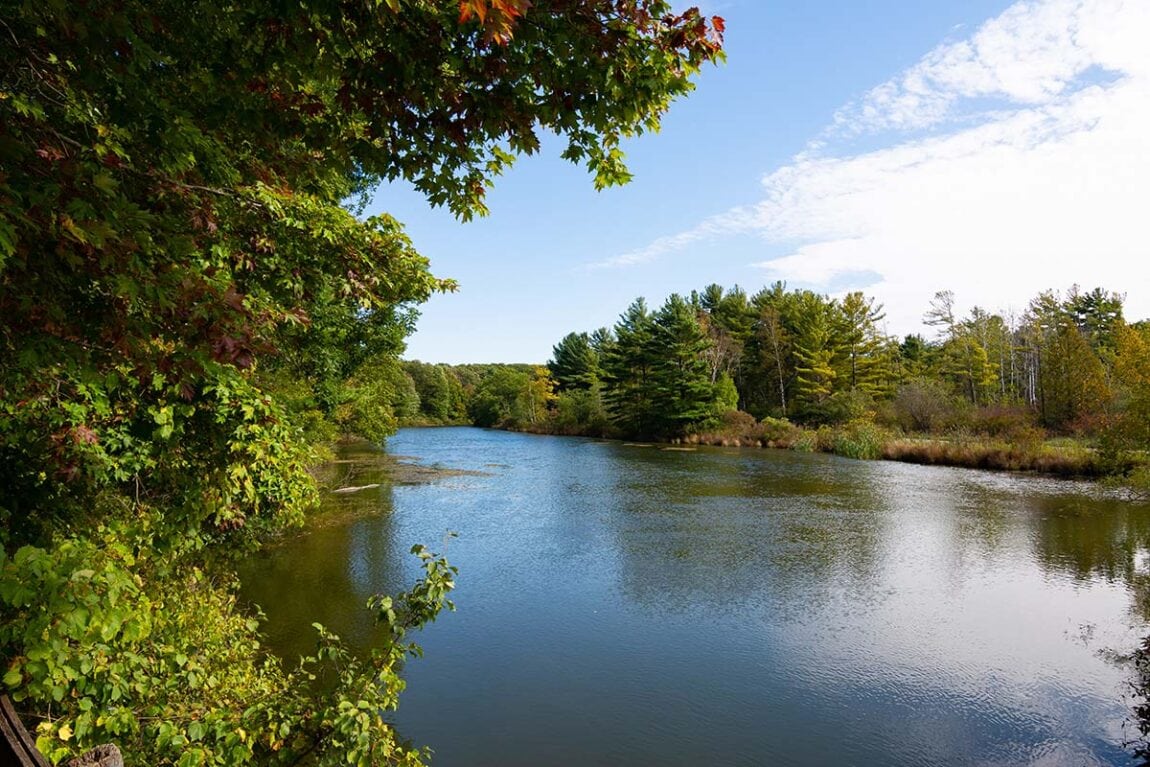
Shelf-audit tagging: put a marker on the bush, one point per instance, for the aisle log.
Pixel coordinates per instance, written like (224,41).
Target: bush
(806,441)
(1007,421)
(779,431)
(127,644)
(848,406)
(859,439)
(925,405)
(738,422)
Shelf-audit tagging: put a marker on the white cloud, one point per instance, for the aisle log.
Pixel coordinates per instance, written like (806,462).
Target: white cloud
(1029,54)
(731,222)
(1049,189)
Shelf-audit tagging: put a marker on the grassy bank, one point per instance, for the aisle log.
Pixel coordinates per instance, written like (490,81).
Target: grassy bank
(1030,451)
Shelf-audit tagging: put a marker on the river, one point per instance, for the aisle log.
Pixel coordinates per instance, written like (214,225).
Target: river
(626,605)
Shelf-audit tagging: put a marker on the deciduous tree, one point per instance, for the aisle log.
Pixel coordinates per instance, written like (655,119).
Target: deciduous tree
(176,244)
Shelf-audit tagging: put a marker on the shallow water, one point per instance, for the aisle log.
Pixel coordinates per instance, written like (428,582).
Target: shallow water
(623,605)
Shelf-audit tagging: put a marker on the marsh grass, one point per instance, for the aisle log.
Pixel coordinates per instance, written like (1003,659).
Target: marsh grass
(1062,458)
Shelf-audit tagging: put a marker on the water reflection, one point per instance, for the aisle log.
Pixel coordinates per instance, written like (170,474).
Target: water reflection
(1090,538)
(327,574)
(717,528)
(625,605)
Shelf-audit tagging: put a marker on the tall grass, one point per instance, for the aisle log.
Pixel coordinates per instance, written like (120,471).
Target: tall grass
(859,439)
(1061,460)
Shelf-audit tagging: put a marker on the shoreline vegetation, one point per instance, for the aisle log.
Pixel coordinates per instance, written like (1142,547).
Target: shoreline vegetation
(195,303)
(1059,457)
(1062,389)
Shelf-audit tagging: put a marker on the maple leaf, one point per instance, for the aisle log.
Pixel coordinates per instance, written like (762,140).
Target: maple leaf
(496,17)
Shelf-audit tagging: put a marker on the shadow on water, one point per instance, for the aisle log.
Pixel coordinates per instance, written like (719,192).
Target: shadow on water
(327,573)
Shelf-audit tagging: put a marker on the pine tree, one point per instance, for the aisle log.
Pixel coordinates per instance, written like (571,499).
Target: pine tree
(860,366)
(815,348)
(628,367)
(574,362)
(684,391)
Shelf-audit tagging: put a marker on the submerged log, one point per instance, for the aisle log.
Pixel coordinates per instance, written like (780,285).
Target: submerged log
(356,489)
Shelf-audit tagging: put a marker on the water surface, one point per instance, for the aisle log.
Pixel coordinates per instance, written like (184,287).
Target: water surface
(623,605)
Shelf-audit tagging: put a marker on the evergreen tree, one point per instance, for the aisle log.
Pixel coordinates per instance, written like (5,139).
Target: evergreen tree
(683,390)
(1072,381)
(628,366)
(574,362)
(861,363)
(815,348)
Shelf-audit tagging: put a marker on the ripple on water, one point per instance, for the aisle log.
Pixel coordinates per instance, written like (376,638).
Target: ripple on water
(628,606)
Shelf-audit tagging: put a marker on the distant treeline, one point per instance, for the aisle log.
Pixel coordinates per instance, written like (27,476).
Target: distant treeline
(720,360)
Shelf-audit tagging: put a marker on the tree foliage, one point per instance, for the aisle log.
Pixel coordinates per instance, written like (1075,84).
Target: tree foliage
(1071,364)
(186,296)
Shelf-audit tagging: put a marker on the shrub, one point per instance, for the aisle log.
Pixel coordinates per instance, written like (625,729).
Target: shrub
(780,431)
(859,439)
(805,441)
(925,405)
(847,406)
(1008,421)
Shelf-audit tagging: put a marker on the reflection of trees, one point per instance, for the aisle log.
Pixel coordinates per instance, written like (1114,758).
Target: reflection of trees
(721,528)
(327,574)
(1085,537)
(1103,538)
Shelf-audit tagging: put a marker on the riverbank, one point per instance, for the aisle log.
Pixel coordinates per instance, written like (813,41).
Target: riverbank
(867,441)
(1030,451)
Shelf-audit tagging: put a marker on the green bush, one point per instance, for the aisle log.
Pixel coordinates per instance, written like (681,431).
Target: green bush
(779,430)
(123,643)
(806,441)
(859,439)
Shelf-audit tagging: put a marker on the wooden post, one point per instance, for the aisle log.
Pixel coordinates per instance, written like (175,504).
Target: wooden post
(18,748)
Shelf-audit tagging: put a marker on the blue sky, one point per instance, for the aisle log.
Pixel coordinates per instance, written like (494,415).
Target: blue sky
(990,148)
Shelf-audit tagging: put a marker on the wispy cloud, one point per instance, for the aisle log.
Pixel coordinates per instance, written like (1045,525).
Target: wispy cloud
(1028,55)
(730,222)
(1009,167)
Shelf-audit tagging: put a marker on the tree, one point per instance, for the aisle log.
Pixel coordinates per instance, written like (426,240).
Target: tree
(540,395)
(1072,381)
(1098,314)
(628,370)
(766,367)
(862,343)
(574,362)
(725,317)
(174,245)
(1132,384)
(683,391)
(503,397)
(814,349)
(963,356)
(913,353)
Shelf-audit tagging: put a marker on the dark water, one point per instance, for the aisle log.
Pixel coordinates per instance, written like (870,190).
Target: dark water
(623,605)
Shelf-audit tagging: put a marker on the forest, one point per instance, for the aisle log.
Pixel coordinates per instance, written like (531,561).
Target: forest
(800,369)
